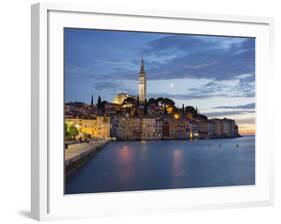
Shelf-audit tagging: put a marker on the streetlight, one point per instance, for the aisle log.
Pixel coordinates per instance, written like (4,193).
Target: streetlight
(177,116)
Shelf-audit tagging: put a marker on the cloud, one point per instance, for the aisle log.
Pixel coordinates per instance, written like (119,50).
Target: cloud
(110,58)
(200,66)
(223,88)
(245,106)
(192,43)
(244,76)
(179,96)
(189,96)
(105,85)
(229,88)
(113,87)
(227,113)
(246,120)
(219,58)
(171,57)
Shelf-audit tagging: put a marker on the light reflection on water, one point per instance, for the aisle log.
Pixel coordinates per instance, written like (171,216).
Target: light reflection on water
(177,163)
(124,157)
(125,166)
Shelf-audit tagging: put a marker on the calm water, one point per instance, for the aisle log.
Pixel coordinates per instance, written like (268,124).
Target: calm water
(131,166)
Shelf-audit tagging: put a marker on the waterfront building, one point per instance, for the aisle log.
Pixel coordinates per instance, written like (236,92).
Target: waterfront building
(179,128)
(114,122)
(125,128)
(224,127)
(193,128)
(203,128)
(142,83)
(165,129)
(98,127)
(217,127)
(158,127)
(151,128)
(211,131)
(236,130)
(227,128)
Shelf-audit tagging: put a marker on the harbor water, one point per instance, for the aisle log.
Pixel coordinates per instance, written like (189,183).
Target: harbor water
(166,164)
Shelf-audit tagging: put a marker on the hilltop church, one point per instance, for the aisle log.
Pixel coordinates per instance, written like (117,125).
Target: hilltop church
(120,97)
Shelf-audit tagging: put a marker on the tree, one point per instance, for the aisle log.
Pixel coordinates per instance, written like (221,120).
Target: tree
(70,130)
(73,131)
(92,100)
(66,132)
(138,102)
(159,100)
(145,106)
(165,101)
(99,102)
(102,104)
(152,101)
(191,112)
(168,102)
(202,117)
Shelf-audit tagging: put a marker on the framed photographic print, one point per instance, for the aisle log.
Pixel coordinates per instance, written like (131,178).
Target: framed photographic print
(148,111)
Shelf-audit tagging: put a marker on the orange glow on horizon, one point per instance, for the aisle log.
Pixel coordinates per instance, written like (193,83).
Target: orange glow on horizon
(247,129)
(247,132)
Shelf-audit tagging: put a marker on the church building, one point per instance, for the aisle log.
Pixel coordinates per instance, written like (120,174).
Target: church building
(121,97)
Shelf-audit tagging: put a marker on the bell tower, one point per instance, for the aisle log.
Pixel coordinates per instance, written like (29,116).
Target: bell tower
(142,83)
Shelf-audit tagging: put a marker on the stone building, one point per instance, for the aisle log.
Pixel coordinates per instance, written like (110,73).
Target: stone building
(98,128)
(179,129)
(224,127)
(203,128)
(125,128)
(151,128)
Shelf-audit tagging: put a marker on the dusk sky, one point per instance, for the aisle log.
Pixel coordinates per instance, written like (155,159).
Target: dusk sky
(216,74)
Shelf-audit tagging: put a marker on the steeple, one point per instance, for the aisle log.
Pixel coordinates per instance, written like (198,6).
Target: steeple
(142,71)
(142,83)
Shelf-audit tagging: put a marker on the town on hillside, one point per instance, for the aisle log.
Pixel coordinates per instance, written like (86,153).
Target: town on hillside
(130,117)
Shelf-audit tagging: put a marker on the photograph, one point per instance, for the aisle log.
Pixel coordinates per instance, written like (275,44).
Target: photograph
(157,111)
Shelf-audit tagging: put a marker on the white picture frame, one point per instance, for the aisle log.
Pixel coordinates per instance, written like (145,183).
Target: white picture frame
(48,200)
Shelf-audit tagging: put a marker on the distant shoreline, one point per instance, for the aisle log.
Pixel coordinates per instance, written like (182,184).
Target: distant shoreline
(179,139)
(176,139)
(248,135)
